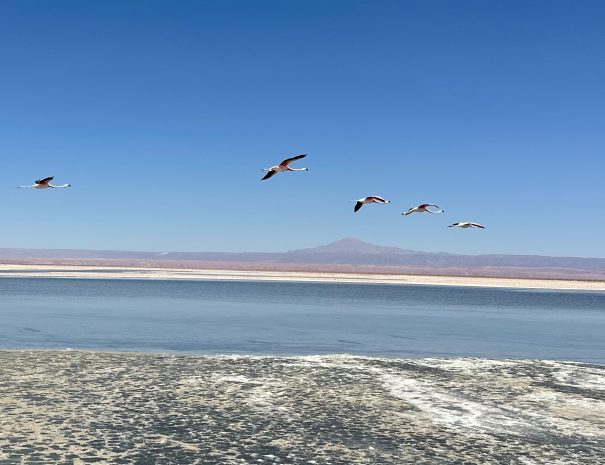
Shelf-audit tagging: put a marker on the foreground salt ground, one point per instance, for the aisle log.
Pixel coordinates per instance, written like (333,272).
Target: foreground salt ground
(118,408)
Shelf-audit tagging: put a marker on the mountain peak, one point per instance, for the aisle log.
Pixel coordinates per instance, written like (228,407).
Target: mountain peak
(351,245)
(348,242)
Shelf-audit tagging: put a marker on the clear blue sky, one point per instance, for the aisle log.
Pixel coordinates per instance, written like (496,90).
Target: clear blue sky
(161,114)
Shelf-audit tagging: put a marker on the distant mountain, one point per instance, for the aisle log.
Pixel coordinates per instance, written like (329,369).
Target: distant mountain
(349,245)
(347,255)
(353,251)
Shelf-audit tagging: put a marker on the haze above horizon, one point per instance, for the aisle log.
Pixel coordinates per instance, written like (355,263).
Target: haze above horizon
(346,246)
(162,114)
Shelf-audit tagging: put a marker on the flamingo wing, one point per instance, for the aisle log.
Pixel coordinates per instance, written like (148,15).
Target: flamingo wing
(287,161)
(45,180)
(358,205)
(269,174)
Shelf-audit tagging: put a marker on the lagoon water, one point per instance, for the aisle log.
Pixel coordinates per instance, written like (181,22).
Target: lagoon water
(211,317)
(419,401)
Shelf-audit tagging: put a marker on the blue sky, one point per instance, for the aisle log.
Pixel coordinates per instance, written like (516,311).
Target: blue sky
(161,115)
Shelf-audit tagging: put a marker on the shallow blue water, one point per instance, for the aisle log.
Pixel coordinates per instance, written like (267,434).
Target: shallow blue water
(301,318)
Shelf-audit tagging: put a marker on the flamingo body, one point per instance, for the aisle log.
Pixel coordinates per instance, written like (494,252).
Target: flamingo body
(284,166)
(423,208)
(466,225)
(45,184)
(366,200)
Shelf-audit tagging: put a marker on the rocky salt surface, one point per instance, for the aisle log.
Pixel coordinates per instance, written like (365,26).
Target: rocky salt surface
(119,408)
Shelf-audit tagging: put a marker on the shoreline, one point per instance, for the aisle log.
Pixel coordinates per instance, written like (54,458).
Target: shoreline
(83,407)
(293,356)
(138,273)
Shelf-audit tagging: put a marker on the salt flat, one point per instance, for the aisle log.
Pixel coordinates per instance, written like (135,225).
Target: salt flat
(96,272)
(68,407)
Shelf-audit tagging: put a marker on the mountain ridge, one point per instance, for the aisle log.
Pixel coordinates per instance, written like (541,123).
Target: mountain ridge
(345,254)
(349,244)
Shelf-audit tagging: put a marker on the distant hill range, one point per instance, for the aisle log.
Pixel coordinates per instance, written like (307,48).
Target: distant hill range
(346,255)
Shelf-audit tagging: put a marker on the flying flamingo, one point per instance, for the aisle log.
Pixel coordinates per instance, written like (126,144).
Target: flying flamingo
(466,225)
(284,166)
(45,184)
(369,199)
(423,208)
